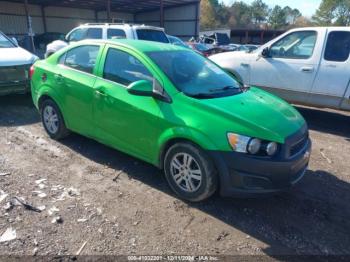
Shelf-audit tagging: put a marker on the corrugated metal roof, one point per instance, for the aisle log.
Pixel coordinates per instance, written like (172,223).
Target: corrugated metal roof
(131,6)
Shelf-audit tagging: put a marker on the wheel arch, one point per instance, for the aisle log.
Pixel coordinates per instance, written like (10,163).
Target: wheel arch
(173,136)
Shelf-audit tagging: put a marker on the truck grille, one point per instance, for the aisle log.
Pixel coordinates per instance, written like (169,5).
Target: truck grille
(10,74)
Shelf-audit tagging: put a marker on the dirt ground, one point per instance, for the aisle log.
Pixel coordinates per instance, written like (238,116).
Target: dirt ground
(110,203)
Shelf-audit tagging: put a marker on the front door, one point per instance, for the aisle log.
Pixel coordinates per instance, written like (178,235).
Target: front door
(76,77)
(290,68)
(127,122)
(333,76)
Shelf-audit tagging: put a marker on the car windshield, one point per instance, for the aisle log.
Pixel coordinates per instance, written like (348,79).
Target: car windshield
(152,35)
(195,75)
(201,47)
(5,42)
(176,41)
(222,39)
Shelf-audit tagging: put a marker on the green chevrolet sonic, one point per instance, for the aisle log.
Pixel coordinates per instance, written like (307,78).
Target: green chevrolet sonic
(177,110)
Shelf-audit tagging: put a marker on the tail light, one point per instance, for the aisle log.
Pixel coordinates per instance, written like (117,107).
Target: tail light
(31,71)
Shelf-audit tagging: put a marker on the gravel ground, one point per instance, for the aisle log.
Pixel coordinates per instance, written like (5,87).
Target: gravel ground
(100,201)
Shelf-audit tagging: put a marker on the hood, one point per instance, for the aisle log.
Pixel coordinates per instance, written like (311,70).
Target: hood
(15,56)
(257,112)
(231,56)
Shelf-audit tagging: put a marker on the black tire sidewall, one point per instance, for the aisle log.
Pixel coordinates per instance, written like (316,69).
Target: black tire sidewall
(209,177)
(62,131)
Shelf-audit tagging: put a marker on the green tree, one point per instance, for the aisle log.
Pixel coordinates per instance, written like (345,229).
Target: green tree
(277,18)
(333,12)
(260,11)
(240,15)
(291,15)
(208,15)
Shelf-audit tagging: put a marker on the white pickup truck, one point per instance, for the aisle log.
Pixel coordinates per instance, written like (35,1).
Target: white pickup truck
(309,66)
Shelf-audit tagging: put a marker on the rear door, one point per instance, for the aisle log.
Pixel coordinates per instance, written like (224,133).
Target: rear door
(75,77)
(333,75)
(290,69)
(125,121)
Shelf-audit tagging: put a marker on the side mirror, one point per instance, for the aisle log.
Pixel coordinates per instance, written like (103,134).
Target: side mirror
(14,40)
(265,52)
(141,88)
(147,88)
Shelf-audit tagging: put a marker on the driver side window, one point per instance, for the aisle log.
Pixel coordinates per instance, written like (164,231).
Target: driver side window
(297,45)
(123,68)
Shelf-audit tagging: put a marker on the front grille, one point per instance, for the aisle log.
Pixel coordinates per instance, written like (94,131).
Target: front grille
(296,148)
(10,74)
(295,143)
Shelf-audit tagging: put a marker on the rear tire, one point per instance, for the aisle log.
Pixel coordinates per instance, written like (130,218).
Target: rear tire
(190,172)
(52,120)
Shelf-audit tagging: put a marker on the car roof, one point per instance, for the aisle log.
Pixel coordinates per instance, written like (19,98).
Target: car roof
(139,45)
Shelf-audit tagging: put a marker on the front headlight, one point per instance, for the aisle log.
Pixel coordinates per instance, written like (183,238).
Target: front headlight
(254,146)
(251,145)
(238,143)
(271,148)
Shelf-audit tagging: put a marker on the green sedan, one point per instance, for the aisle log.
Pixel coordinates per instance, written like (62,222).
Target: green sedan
(177,110)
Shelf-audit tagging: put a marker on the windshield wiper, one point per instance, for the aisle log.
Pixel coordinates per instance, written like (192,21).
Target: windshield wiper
(201,95)
(223,88)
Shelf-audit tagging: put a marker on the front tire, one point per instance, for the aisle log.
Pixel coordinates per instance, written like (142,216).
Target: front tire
(52,120)
(190,172)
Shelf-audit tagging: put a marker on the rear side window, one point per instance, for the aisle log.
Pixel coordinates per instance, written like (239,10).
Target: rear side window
(82,58)
(152,35)
(123,68)
(94,33)
(338,46)
(115,34)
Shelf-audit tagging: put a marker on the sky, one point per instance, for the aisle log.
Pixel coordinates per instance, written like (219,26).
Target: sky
(306,7)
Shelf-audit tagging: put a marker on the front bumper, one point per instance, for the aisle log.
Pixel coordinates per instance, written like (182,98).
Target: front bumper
(20,87)
(244,175)
(14,79)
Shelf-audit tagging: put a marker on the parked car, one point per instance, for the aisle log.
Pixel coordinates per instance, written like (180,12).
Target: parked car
(176,41)
(175,109)
(251,47)
(110,31)
(305,66)
(42,40)
(203,49)
(218,40)
(15,63)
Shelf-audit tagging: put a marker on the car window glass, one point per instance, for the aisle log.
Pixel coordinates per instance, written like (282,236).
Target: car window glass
(152,35)
(123,68)
(338,46)
(115,33)
(297,45)
(5,42)
(94,33)
(193,74)
(82,58)
(77,35)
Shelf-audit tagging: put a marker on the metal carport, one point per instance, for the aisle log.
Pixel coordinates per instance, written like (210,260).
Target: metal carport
(28,17)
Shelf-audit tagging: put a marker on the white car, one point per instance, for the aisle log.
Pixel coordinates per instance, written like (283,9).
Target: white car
(109,31)
(305,66)
(15,63)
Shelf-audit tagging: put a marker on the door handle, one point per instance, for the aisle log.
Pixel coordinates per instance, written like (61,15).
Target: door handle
(244,64)
(307,69)
(100,92)
(58,77)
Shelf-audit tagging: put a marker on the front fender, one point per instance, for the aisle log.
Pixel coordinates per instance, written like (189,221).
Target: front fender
(185,133)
